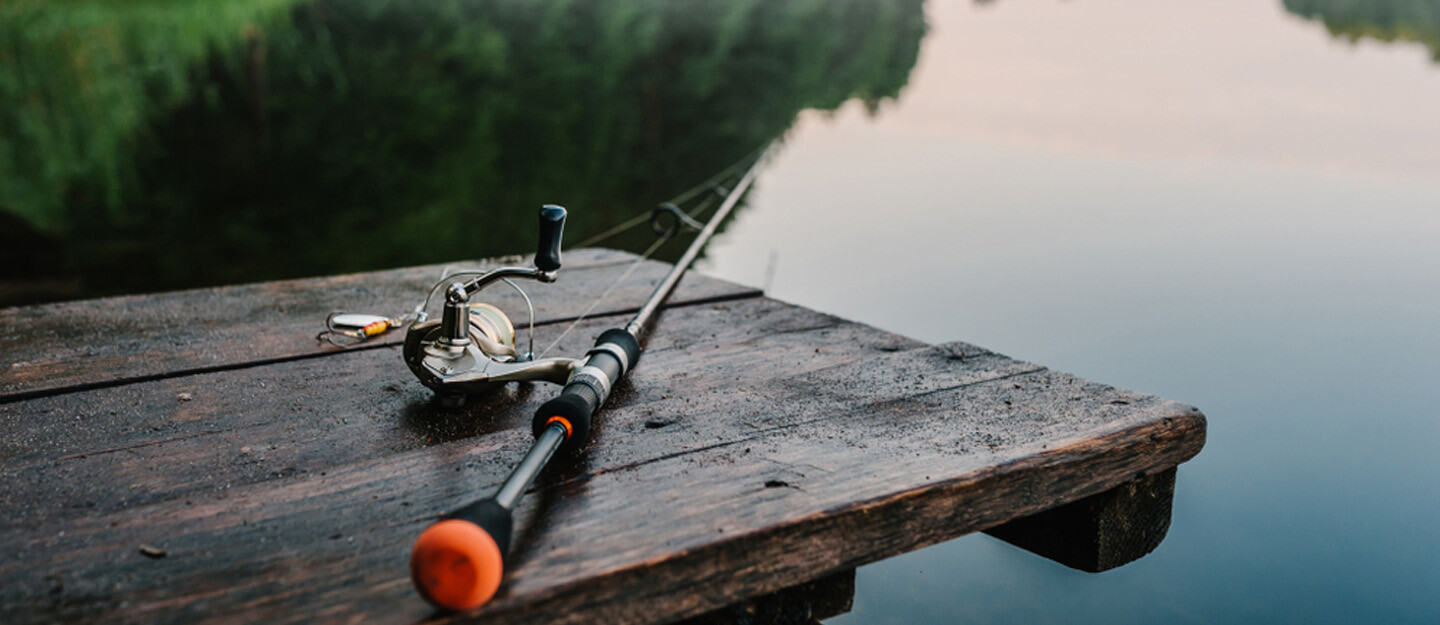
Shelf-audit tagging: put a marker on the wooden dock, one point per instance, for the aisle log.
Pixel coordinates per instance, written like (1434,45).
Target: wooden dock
(199,457)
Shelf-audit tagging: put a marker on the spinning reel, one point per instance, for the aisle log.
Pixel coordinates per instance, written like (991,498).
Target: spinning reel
(472,348)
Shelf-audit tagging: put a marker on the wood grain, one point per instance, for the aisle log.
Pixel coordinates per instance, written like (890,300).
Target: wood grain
(294,418)
(756,446)
(75,345)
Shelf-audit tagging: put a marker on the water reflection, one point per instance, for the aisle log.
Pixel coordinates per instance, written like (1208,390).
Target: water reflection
(1381,20)
(146,146)
(279,139)
(1248,227)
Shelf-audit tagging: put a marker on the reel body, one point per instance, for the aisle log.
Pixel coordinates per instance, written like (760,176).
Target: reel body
(472,348)
(487,361)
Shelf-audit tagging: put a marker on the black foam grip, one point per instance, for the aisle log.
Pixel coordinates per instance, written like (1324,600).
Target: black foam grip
(552,228)
(576,404)
(626,341)
(491,517)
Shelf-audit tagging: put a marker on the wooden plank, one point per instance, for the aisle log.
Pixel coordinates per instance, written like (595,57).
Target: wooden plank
(1102,531)
(71,345)
(755,446)
(302,417)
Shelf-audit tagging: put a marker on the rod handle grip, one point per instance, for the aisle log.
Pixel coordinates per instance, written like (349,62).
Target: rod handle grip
(552,227)
(615,353)
(572,409)
(457,563)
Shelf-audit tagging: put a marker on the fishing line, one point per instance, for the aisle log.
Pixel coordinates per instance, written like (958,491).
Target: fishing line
(345,329)
(684,196)
(606,293)
(626,225)
(705,204)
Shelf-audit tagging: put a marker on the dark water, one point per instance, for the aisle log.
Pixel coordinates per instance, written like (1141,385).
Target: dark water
(1231,203)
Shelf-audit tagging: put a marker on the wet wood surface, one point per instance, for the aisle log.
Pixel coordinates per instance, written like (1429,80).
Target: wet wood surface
(74,345)
(242,473)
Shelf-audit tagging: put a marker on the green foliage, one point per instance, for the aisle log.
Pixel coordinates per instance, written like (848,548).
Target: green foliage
(1382,20)
(363,134)
(79,81)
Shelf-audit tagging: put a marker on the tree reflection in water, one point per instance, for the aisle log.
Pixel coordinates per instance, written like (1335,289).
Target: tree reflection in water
(335,136)
(1381,20)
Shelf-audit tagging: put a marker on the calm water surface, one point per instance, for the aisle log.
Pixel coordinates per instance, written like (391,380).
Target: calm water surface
(1216,202)
(1231,203)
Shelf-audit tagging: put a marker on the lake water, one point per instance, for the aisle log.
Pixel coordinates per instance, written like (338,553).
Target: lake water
(1230,203)
(1216,202)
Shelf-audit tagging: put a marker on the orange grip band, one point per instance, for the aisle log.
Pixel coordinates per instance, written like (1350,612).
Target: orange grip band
(569,431)
(456,565)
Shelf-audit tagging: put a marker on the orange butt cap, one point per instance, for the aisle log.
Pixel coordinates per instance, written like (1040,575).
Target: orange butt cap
(456,565)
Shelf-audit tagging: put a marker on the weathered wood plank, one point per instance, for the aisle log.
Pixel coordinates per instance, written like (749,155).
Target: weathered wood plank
(757,445)
(69,345)
(220,567)
(68,451)
(760,474)
(1102,531)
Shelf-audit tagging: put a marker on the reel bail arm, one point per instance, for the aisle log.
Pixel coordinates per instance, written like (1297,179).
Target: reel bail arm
(455,330)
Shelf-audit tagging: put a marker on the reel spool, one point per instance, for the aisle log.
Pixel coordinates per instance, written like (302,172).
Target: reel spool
(491,329)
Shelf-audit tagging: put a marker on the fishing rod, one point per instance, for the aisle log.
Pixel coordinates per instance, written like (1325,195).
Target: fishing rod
(458,562)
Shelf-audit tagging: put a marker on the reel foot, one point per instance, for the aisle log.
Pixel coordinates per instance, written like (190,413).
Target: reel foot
(452,400)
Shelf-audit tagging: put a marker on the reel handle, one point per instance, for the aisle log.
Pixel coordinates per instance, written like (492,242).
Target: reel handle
(552,227)
(458,562)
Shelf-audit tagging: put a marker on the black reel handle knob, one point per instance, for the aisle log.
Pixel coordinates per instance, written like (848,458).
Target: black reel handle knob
(552,227)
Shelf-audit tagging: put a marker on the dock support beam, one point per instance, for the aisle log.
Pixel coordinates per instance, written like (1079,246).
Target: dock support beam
(1094,534)
(1102,531)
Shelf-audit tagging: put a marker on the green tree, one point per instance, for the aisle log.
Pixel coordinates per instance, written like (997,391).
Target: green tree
(79,82)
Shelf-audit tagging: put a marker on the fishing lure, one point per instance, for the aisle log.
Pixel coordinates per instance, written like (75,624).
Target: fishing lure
(357,326)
